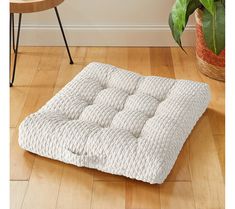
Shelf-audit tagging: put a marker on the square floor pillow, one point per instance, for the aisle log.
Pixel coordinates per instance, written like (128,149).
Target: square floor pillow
(117,121)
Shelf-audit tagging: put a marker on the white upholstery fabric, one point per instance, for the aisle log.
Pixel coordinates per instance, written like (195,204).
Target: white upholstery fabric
(117,121)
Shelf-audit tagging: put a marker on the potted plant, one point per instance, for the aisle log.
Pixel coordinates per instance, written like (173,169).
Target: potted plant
(210,32)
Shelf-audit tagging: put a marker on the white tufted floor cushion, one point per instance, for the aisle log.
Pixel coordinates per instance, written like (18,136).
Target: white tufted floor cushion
(117,121)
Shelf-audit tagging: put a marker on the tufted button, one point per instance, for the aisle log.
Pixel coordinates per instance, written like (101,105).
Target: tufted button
(151,116)
(136,135)
(161,100)
(121,109)
(104,87)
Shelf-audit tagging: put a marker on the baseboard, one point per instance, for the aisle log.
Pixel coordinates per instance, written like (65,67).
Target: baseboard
(103,35)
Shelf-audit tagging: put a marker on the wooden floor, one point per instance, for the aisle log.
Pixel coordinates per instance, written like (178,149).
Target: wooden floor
(197,179)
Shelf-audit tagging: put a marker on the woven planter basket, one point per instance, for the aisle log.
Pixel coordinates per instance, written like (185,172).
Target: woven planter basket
(209,63)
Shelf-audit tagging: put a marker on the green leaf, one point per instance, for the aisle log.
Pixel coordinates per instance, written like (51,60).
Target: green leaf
(179,15)
(174,30)
(223,2)
(214,28)
(192,6)
(209,5)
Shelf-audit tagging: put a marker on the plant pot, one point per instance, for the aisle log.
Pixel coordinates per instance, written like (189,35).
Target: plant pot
(209,63)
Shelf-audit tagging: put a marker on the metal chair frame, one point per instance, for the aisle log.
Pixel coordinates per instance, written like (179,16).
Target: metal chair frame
(15,45)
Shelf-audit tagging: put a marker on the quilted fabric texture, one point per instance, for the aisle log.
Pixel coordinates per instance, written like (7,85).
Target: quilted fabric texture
(117,121)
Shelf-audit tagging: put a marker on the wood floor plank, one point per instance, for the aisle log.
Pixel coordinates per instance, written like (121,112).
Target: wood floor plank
(17,193)
(216,115)
(207,178)
(76,188)
(79,52)
(220,147)
(45,78)
(21,162)
(177,195)
(36,98)
(27,64)
(216,111)
(117,56)
(180,171)
(12,131)
(17,100)
(95,54)
(40,91)
(26,68)
(139,60)
(43,185)
(102,176)
(67,72)
(142,195)
(48,68)
(184,64)
(108,195)
(51,58)
(161,62)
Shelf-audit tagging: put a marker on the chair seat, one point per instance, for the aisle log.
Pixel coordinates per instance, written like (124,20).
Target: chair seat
(29,6)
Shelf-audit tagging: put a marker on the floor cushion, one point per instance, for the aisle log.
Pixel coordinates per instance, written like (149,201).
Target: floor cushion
(117,121)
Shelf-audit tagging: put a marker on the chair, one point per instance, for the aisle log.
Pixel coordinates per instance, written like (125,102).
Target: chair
(29,6)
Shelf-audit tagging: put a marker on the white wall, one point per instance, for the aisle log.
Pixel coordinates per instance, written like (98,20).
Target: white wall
(104,23)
